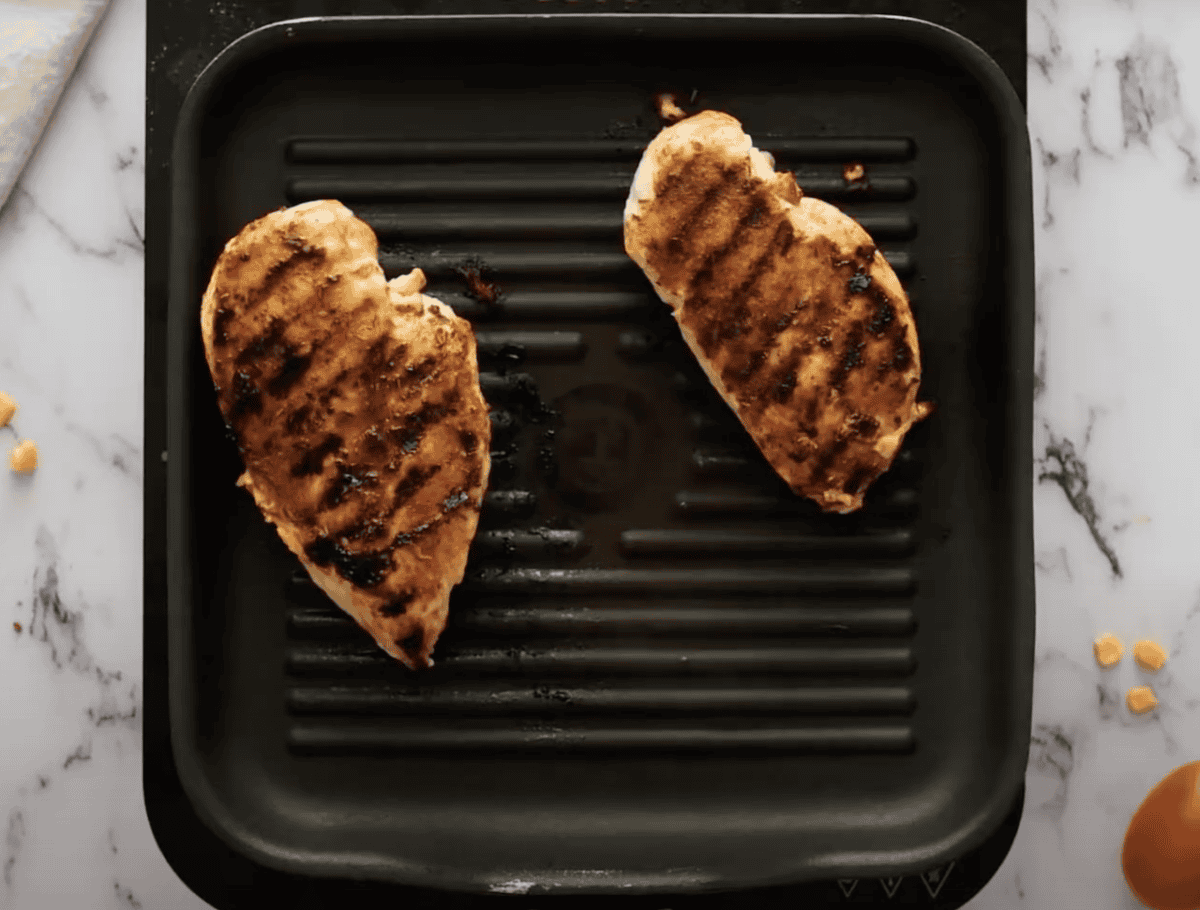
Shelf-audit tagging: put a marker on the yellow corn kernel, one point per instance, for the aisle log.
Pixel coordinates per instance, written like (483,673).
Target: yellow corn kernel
(1149,655)
(24,458)
(1140,699)
(1109,650)
(8,407)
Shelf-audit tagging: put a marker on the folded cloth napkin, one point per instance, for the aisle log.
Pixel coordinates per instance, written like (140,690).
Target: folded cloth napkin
(40,42)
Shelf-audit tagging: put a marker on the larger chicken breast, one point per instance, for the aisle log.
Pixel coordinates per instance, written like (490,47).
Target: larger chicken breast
(358,414)
(795,316)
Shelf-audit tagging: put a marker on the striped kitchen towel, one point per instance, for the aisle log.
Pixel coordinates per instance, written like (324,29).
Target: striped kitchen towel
(40,42)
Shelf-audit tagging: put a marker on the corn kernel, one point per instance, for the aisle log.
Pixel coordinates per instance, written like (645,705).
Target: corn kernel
(8,407)
(1109,650)
(1149,655)
(1140,699)
(24,458)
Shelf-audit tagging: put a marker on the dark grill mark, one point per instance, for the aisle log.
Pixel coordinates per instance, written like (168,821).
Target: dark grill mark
(365,530)
(469,441)
(783,388)
(777,247)
(710,322)
(703,275)
(883,316)
(364,570)
(397,606)
(741,375)
(411,644)
(221,325)
(810,410)
(851,358)
(856,481)
(296,419)
(334,389)
(348,478)
(863,425)
(293,369)
(828,456)
(901,353)
(422,370)
(411,483)
(313,461)
(785,320)
(374,361)
(703,207)
(374,444)
(411,430)
(278,273)
(669,180)
(247,397)
(268,344)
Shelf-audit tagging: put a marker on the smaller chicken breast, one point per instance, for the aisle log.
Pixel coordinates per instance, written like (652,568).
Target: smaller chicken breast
(795,316)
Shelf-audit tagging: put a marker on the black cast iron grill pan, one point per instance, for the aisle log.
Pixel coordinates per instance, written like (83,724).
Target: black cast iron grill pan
(663,667)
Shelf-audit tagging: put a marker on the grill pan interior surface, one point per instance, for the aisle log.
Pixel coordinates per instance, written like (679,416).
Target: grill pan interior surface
(664,672)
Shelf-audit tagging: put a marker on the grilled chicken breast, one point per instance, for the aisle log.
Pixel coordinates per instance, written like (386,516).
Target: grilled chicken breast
(357,410)
(797,319)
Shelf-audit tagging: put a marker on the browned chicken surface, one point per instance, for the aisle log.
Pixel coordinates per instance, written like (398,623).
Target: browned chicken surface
(358,413)
(797,319)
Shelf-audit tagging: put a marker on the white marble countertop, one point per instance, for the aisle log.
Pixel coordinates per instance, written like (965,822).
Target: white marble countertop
(1114,104)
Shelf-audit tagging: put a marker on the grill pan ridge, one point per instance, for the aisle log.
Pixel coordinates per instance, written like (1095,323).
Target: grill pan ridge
(662,664)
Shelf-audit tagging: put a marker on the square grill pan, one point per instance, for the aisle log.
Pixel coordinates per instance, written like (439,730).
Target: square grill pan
(664,672)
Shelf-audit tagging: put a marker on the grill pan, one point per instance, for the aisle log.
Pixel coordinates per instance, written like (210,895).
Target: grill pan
(664,673)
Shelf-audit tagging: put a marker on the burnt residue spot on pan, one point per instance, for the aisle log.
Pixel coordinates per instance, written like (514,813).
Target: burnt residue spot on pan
(479,288)
(525,399)
(668,108)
